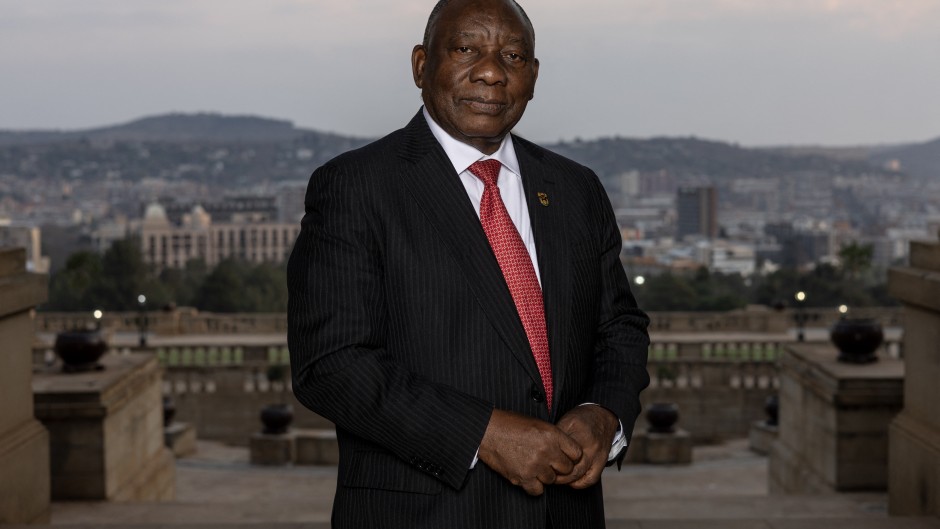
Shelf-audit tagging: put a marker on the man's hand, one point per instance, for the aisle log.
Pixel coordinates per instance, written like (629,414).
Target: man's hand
(593,427)
(528,452)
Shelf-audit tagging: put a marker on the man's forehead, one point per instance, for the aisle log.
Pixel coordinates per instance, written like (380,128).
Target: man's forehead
(521,38)
(468,12)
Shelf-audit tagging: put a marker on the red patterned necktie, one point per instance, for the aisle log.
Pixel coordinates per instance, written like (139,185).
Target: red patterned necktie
(514,261)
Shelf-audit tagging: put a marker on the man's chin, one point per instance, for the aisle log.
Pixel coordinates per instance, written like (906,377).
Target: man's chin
(483,137)
(484,128)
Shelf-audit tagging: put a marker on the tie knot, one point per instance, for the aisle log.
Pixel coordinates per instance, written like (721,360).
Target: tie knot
(486,170)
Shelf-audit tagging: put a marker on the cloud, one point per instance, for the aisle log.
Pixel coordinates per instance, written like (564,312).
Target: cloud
(889,19)
(886,19)
(755,70)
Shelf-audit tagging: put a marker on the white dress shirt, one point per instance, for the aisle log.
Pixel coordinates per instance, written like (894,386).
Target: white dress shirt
(462,156)
(509,181)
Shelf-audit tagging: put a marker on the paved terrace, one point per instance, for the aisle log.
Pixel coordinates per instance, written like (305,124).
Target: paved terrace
(725,488)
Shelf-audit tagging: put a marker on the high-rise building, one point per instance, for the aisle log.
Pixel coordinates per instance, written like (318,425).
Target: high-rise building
(698,212)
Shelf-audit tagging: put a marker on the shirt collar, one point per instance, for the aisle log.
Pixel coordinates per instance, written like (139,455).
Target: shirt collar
(462,156)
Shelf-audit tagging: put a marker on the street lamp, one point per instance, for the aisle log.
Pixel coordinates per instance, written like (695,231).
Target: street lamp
(97,314)
(800,315)
(639,280)
(142,319)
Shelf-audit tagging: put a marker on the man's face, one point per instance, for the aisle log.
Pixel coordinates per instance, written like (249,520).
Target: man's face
(478,71)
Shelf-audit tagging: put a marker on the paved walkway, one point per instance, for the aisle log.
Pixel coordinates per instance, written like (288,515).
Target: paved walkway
(726,488)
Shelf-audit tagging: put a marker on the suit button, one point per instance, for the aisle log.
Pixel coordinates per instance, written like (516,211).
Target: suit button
(537,394)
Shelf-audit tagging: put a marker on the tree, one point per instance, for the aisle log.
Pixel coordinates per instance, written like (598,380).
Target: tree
(224,288)
(856,259)
(124,275)
(72,288)
(181,286)
(266,288)
(666,292)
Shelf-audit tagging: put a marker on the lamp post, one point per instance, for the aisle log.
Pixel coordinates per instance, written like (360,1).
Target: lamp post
(637,289)
(800,315)
(142,319)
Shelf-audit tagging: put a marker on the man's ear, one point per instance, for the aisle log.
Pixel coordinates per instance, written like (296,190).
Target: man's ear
(419,57)
(535,75)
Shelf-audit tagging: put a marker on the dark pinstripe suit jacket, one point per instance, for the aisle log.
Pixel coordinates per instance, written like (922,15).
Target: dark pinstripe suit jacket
(402,332)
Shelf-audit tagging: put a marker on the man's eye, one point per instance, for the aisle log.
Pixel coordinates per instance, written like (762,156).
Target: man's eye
(463,49)
(515,57)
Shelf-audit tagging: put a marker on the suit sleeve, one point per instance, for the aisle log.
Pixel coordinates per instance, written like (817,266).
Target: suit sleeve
(622,341)
(337,322)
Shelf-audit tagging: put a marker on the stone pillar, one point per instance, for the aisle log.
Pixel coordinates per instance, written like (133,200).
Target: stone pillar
(24,443)
(106,430)
(833,422)
(914,484)
(762,437)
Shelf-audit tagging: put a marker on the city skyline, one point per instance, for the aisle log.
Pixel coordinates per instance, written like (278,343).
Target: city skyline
(758,73)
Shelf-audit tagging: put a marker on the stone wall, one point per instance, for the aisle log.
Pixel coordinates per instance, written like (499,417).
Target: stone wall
(224,404)
(719,378)
(24,443)
(720,387)
(106,430)
(834,417)
(914,485)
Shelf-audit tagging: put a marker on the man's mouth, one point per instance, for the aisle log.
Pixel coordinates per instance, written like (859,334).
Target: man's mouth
(484,106)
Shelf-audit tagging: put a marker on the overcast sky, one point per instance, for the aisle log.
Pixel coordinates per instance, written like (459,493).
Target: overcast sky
(756,72)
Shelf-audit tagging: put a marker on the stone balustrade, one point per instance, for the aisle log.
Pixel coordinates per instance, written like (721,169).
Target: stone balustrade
(720,386)
(720,380)
(168,323)
(187,320)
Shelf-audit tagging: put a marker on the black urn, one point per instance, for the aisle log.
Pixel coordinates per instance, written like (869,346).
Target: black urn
(169,410)
(772,409)
(857,339)
(80,349)
(662,417)
(277,418)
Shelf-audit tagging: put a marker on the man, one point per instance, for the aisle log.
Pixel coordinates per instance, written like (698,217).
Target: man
(457,304)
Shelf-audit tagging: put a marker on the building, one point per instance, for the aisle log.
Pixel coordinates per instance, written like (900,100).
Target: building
(196,236)
(289,197)
(798,248)
(697,211)
(13,235)
(731,258)
(229,209)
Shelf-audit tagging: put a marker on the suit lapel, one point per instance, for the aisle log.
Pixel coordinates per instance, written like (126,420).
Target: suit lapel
(430,178)
(546,213)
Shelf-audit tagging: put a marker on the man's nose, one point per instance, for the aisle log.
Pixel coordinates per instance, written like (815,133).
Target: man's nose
(489,69)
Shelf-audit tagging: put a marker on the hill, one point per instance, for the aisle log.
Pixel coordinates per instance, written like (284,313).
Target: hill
(173,128)
(922,159)
(698,157)
(214,147)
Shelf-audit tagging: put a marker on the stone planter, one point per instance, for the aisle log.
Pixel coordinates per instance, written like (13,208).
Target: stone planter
(80,349)
(857,339)
(277,418)
(662,417)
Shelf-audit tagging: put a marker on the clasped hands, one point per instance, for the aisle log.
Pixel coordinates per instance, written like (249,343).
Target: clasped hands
(532,453)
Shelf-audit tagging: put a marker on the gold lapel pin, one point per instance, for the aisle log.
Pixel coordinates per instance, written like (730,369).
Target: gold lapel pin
(543,198)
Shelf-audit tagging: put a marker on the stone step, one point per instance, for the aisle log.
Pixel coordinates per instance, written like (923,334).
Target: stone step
(747,523)
(841,511)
